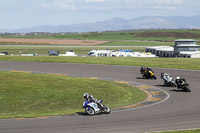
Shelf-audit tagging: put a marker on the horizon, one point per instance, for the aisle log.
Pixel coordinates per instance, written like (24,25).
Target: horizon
(27,13)
(96,21)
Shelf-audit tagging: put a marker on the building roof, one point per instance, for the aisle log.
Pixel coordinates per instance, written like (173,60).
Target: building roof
(158,47)
(166,49)
(162,48)
(188,45)
(189,52)
(185,40)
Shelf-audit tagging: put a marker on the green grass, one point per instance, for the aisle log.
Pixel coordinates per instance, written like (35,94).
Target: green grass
(32,95)
(183,131)
(116,43)
(126,38)
(121,35)
(137,43)
(179,63)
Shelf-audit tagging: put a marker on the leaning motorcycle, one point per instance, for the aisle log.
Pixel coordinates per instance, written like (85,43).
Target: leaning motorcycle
(148,74)
(169,82)
(185,87)
(92,108)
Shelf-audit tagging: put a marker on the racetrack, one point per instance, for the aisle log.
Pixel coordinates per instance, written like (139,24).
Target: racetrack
(180,111)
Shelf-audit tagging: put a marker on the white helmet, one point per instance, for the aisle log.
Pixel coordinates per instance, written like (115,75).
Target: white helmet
(178,78)
(86,95)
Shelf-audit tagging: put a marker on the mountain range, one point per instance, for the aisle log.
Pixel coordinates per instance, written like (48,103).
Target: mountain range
(114,24)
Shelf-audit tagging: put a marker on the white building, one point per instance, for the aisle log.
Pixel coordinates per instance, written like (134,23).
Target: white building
(97,53)
(68,53)
(120,53)
(186,48)
(161,51)
(186,54)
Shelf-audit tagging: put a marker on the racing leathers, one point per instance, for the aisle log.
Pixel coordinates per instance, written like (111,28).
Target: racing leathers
(180,82)
(165,77)
(90,98)
(147,69)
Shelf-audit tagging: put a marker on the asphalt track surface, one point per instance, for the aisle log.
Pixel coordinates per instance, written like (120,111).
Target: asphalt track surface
(180,111)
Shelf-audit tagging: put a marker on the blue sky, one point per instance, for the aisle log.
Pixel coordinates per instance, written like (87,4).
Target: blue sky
(16,14)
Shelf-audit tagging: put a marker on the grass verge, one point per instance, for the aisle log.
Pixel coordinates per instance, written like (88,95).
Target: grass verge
(178,63)
(182,131)
(33,95)
(110,43)
(167,35)
(137,43)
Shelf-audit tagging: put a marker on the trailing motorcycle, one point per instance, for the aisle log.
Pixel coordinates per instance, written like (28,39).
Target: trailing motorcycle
(184,86)
(147,73)
(92,108)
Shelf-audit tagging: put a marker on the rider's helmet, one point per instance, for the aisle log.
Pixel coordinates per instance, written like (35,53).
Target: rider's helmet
(86,95)
(149,69)
(142,69)
(178,78)
(162,74)
(166,74)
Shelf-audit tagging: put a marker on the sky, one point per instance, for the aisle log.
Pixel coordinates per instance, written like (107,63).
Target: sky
(15,14)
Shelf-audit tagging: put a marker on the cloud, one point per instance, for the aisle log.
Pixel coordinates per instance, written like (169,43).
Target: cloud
(94,0)
(169,2)
(60,5)
(174,4)
(165,7)
(111,6)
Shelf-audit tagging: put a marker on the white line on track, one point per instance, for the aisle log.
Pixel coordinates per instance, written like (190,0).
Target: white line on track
(172,130)
(168,96)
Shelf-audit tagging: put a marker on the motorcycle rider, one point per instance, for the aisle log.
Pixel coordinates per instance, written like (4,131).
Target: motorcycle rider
(180,81)
(165,77)
(90,98)
(147,69)
(142,69)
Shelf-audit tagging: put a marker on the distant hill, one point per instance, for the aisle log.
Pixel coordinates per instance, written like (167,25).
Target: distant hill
(146,22)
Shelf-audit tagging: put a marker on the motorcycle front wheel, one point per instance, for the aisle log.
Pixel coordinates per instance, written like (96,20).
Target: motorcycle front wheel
(106,110)
(187,89)
(89,111)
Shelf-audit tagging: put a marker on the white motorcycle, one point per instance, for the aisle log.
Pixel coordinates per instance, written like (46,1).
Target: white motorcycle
(168,81)
(92,108)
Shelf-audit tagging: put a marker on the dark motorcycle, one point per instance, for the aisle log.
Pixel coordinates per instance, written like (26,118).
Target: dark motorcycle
(147,73)
(185,87)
